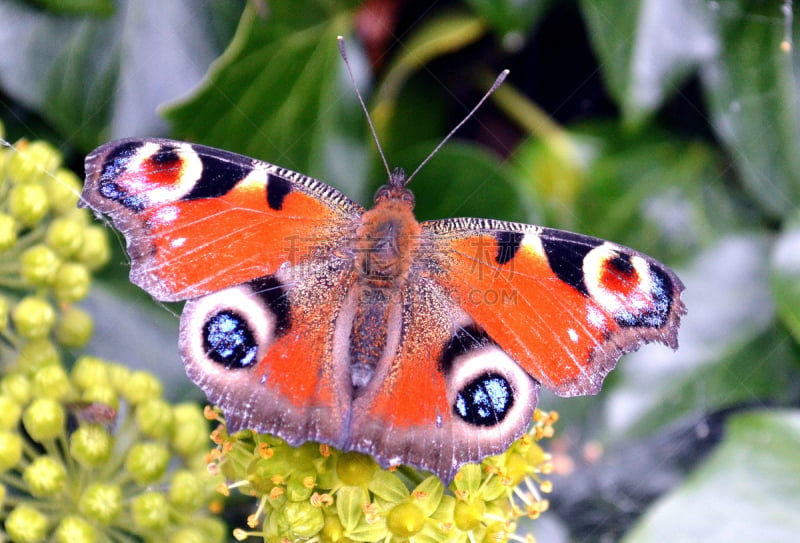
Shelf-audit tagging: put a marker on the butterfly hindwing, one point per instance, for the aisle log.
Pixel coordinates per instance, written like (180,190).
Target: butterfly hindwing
(449,399)
(198,219)
(564,305)
(263,352)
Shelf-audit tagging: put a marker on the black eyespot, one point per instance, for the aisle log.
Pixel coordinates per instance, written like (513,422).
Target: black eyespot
(228,340)
(485,401)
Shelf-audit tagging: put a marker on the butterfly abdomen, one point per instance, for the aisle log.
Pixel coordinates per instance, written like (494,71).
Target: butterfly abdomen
(382,251)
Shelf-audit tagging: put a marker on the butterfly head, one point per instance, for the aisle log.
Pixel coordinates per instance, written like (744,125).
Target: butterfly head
(395,190)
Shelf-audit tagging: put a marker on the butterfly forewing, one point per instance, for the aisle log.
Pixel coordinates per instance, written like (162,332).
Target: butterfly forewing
(198,219)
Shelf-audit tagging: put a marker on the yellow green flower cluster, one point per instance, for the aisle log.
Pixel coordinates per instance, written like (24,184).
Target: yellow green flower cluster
(48,249)
(90,452)
(316,493)
(95,454)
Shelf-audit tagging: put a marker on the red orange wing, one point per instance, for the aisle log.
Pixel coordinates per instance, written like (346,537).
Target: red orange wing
(564,305)
(198,219)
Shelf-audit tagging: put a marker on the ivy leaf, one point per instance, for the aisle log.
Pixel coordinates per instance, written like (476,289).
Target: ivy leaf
(753,99)
(647,48)
(747,490)
(96,79)
(785,277)
(279,93)
(511,19)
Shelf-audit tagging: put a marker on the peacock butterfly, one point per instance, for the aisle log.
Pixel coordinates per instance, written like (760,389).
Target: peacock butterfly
(312,318)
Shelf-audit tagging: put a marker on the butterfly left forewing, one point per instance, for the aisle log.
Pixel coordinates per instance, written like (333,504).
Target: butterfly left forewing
(564,305)
(198,219)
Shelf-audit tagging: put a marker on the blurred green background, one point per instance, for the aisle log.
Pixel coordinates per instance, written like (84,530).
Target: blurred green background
(671,126)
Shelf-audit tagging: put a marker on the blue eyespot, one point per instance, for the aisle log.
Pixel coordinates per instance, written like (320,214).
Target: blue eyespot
(485,401)
(228,340)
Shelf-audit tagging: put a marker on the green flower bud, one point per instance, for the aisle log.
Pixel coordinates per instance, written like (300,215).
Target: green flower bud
(17,387)
(101,502)
(38,265)
(118,376)
(74,328)
(10,450)
(468,515)
(28,203)
(45,477)
(75,529)
(44,419)
(8,231)
(296,488)
(10,412)
(202,530)
(89,371)
(91,445)
(190,430)
(187,490)
(95,251)
(140,386)
(71,282)
(36,354)
(34,161)
(25,524)
(355,469)
(52,382)
(147,462)
(302,519)
(102,393)
(405,520)
(65,236)
(33,317)
(63,188)
(154,418)
(150,511)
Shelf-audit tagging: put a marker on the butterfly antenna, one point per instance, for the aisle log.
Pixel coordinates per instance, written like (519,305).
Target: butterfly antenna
(343,52)
(495,85)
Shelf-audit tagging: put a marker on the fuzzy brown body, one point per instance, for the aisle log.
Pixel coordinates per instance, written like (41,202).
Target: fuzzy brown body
(383,249)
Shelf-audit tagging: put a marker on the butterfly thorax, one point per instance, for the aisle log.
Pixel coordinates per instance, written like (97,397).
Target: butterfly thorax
(385,243)
(382,249)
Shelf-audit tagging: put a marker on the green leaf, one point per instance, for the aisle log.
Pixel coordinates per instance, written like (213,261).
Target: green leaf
(278,93)
(785,277)
(78,7)
(748,490)
(753,99)
(647,48)
(100,78)
(511,19)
